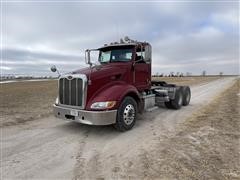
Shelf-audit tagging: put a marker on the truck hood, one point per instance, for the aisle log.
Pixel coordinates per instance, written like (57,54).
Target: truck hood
(103,76)
(101,71)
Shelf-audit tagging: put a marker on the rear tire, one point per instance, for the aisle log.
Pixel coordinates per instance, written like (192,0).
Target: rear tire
(126,115)
(177,102)
(186,95)
(168,104)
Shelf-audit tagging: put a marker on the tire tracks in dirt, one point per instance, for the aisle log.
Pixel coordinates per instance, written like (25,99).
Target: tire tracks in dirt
(80,161)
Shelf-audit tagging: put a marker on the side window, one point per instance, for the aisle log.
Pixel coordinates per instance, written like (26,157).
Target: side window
(105,56)
(148,54)
(140,55)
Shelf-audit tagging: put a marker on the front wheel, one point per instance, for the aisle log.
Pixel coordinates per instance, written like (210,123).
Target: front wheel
(126,115)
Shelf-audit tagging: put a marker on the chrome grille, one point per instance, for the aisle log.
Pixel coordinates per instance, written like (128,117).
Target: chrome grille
(71,91)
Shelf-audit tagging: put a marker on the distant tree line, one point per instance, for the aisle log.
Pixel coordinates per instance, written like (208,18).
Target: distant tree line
(171,74)
(14,76)
(180,74)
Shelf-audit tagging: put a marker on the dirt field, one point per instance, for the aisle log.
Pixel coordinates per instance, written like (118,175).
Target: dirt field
(200,141)
(26,101)
(204,146)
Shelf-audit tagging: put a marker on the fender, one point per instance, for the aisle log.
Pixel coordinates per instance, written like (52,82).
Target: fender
(115,92)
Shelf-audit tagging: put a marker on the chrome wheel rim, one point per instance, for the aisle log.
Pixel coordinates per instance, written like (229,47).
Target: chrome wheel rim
(129,114)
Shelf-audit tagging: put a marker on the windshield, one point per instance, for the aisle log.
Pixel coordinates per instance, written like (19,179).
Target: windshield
(115,55)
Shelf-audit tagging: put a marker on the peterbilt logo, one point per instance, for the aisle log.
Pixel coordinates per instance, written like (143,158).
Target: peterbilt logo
(69,77)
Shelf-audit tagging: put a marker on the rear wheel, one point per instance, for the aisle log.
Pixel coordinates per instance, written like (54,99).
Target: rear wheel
(126,115)
(177,102)
(186,95)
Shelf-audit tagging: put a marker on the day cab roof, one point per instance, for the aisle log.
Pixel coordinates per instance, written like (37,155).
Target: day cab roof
(115,45)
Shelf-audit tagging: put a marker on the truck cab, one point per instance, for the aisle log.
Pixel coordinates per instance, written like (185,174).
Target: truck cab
(116,89)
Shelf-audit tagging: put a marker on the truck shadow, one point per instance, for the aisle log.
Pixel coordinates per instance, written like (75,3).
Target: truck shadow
(73,127)
(78,128)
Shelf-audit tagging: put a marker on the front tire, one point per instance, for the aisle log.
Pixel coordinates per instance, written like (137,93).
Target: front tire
(126,115)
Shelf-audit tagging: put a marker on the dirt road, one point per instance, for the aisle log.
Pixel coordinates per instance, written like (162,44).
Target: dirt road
(55,149)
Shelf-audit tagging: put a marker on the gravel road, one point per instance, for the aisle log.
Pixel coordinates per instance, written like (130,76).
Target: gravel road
(54,149)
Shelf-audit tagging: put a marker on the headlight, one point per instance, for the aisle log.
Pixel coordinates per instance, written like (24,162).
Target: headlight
(57,101)
(103,105)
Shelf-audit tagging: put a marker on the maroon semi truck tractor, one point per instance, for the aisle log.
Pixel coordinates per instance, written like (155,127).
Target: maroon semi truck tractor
(117,89)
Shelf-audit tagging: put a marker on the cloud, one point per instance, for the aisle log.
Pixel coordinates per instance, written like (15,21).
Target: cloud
(185,36)
(207,48)
(5,68)
(27,61)
(228,18)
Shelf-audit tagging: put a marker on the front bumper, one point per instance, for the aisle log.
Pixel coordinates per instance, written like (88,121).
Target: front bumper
(86,117)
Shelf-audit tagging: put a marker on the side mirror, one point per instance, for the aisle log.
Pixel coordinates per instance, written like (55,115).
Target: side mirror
(87,57)
(53,68)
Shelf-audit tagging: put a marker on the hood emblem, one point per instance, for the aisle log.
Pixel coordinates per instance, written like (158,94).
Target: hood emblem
(69,77)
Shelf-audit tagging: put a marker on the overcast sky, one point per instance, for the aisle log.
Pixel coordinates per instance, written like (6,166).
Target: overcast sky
(185,36)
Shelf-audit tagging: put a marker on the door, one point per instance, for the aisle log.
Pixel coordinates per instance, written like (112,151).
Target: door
(142,68)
